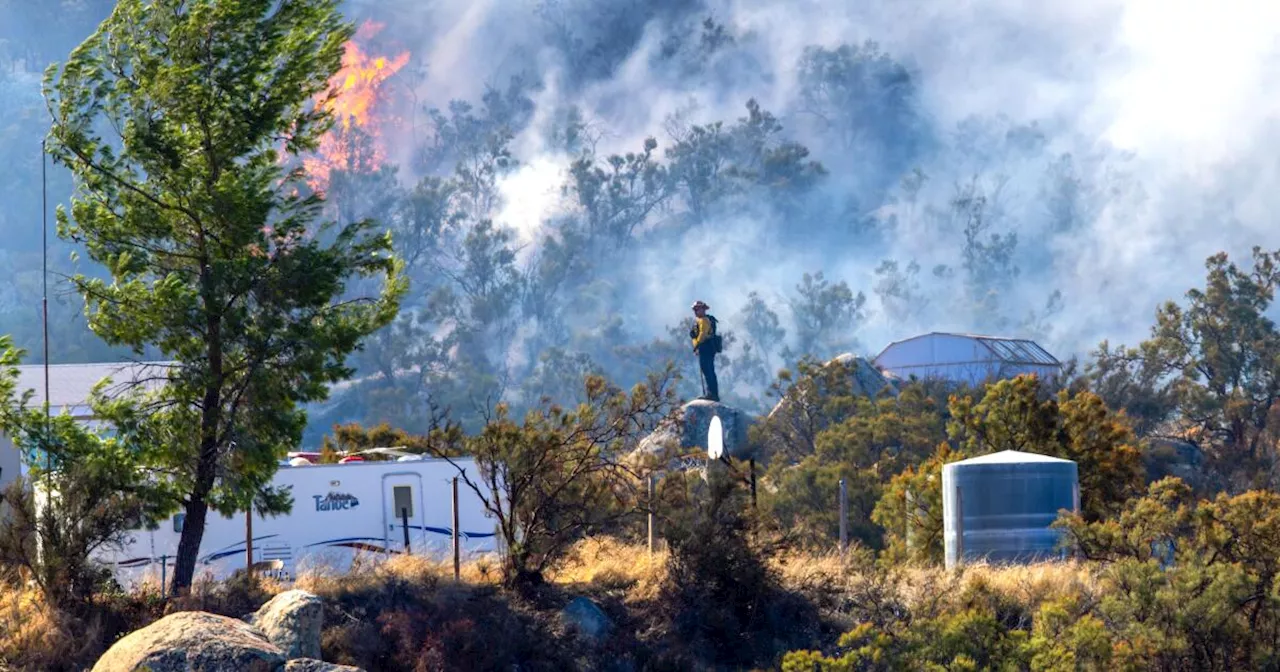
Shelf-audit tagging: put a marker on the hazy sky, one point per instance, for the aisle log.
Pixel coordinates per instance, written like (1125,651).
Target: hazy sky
(1187,87)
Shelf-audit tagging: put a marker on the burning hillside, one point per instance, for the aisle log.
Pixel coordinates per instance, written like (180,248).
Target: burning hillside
(356,142)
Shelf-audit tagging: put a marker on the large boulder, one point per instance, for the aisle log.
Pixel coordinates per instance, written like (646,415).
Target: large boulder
(587,618)
(863,378)
(790,423)
(867,378)
(193,641)
(688,432)
(313,665)
(292,621)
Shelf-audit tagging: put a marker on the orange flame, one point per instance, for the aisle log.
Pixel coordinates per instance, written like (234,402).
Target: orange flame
(356,104)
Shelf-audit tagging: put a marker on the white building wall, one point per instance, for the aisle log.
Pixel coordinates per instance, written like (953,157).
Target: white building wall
(10,461)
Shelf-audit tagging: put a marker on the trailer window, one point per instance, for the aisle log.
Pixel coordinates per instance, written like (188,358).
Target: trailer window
(403,496)
(178,520)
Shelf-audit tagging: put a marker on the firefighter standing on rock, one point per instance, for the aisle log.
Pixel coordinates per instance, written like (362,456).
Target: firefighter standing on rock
(706,344)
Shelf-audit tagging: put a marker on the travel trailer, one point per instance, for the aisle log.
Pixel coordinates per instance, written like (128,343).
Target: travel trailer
(340,511)
(373,509)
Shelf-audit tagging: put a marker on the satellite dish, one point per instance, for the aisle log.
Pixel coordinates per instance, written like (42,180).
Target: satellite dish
(715,438)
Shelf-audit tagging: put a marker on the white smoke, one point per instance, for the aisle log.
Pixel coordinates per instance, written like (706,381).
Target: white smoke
(1166,107)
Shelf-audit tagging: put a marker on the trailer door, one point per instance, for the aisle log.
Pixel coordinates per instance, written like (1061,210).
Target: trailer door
(402,504)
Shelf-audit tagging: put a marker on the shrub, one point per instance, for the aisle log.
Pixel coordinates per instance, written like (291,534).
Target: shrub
(721,600)
(94,477)
(235,597)
(402,616)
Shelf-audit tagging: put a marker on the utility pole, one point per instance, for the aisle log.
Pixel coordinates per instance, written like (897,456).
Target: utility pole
(844,517)
(651,505)
(44,309)
(44,265)
(248,541)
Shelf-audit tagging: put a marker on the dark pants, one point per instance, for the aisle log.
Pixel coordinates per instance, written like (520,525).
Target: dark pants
(707,360)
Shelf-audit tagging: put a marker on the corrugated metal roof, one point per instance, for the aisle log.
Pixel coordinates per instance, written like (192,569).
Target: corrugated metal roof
(70,384)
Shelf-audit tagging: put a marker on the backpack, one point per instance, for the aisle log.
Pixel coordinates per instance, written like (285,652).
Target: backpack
(714,341)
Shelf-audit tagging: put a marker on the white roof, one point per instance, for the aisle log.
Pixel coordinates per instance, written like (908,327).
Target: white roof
(1009,457)
(70,384)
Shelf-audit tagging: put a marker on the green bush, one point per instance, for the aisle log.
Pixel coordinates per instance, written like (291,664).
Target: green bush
(722,601)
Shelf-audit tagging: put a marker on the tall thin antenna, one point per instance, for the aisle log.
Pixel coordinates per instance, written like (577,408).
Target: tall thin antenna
(44,279)
(44,251)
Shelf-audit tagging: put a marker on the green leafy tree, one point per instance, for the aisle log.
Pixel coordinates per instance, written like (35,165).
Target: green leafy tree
(353,437)
(910,511)
(875,438)
(899,291)
(814,397)
(617,197)
(1131,380)
(826,316)
(711,167)
(560,474)
(1148,527)
(97,480)
(1189,585)
(1015,415)
(864,103)
(1222,352)
(215,260)
(1066,638)
(972,639)
(721,591)
(1018,415)
(763,335)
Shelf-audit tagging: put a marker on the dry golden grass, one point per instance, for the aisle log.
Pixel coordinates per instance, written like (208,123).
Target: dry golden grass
(798,569)
(410,568)
(33,635)
(846,590)
(828,577)
(1028,585)
(1038,583)
(612,564)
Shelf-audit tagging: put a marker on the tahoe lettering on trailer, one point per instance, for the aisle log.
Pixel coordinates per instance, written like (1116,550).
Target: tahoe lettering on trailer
(336,501)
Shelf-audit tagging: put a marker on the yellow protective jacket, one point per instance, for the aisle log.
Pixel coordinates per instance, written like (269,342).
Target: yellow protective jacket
(704,331)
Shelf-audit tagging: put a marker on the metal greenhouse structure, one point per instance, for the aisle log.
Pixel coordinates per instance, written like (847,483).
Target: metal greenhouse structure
(966,358)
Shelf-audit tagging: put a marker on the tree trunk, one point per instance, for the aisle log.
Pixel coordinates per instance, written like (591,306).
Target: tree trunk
(184,565)
(198,505)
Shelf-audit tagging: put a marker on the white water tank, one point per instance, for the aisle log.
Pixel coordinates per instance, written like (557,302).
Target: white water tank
(999,508)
